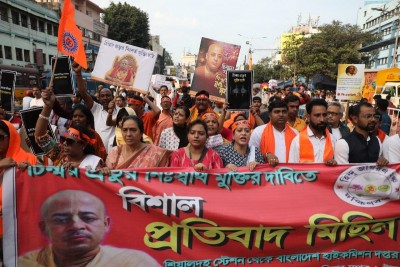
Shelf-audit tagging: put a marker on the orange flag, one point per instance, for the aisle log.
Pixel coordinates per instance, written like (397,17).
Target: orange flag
(70,37)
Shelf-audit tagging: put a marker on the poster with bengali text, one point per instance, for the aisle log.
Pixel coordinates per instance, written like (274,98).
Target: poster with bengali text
(350,81)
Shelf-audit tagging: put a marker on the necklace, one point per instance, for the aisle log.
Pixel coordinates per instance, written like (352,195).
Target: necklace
(203,153)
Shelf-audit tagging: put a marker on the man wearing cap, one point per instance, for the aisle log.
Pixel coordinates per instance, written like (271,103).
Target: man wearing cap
(99,110)
(149,118)
(274,138)
(165,119)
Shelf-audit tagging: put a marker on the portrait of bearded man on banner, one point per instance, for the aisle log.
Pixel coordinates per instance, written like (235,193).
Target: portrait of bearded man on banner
(123,71)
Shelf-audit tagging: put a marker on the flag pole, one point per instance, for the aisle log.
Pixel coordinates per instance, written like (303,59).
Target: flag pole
(54,69)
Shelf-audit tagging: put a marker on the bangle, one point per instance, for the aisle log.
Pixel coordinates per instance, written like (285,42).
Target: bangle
(44,117)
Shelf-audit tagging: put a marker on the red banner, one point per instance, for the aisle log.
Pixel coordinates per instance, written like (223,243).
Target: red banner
(291,215)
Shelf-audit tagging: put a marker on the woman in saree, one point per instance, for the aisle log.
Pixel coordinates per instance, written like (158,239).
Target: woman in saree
(135,153)
(196,154)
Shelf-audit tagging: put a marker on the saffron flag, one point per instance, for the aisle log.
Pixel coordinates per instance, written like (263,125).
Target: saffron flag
(70,37)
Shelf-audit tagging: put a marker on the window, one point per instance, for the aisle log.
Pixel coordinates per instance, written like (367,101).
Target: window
(27,55)
(365,13)
(49,29)
(15,17)
(89,13)
(55,32)
(41,26)
(1,51)
(33,23)
(44,58)
(34,57)
(50,56)
(3,13)
(24,20)
(7,52)
(18,54)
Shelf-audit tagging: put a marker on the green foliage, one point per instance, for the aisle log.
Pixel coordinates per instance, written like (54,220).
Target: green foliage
(322,52)
(264,70)
(127,24)
(168,59)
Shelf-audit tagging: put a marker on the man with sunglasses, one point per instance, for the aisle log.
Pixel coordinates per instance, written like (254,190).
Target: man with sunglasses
(361,146)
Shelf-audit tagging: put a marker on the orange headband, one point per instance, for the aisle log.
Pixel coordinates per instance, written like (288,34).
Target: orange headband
(76,135)
(202,96)
(134,101)
(240,123)
(209,115)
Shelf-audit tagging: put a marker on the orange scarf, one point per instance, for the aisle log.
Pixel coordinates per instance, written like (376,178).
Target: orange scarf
(268,140)
(381,135)
(307,154)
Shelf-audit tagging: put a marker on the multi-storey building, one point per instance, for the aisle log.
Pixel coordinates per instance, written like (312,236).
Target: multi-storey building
(382,19)
(28,34)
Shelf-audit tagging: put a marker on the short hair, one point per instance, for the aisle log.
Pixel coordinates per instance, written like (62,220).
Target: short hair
(185,109)
(276,104)
(382,104)
(377,97)
(166,87)
(291,98)
(337,104)
(185,89)
(106,88)
(257,98)
(196,122)
(137,97)
(315,102)
(286,86)
(203,92)
(357,108)
(274,98)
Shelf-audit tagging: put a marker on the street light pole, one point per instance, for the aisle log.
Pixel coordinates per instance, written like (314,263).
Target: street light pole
(394,60)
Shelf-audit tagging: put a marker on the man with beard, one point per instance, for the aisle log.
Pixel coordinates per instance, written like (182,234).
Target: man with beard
(361,146)
(274,138)
(100,110)
(75,223)
(315,136)
(164,120)
(201,106)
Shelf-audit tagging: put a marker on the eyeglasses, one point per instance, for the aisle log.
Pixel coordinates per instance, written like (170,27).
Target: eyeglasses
(369,116)
(68,141)
(2,137)
(333,113)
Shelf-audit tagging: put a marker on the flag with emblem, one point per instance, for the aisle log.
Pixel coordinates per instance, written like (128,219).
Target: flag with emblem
(70,37)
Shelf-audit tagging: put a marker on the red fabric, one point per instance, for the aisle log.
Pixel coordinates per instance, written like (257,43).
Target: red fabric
(128,76)
(211,160)
(148,122)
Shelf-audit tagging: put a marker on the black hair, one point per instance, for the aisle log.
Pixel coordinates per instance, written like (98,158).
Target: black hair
(139,123)
(276,104)
(274,98)
(121,114)
(137,97)
(89,149)
(185,109)
(357,108)
(291,98)
(185,89)
(85,110)
(4,127)
(196,122)
(315,102)
(203,92)
(237,116)
(120,96)
(382,104)
(166,87)
(257,98)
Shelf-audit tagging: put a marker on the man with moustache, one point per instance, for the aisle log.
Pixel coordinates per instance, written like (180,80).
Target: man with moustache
(274,138)
(314,144)
(75,223)
(361,146)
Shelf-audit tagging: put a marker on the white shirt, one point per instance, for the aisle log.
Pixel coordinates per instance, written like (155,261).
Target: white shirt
(36,102)
(317,143)
(336,133)
(100,118)
(279,137)
(342,150)
(391,148)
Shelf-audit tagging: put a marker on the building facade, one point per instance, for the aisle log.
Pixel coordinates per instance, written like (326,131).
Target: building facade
(381,18)
(28,34)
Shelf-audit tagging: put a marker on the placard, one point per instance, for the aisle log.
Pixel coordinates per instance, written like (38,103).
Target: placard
(124,65)
(7,86)
(350,81)
(29,118)
(63,81)
(239,87)
(215,58)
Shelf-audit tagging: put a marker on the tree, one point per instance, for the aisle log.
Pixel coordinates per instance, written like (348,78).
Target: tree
(168,59)
(334,44)
(128,24)
(264,70)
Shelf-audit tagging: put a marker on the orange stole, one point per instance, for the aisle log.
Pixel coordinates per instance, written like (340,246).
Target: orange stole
(267,144)
(381,135)
(307,154)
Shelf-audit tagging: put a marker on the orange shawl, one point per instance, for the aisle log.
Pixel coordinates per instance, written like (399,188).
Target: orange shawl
(307,154)
(381,135)
(267,144)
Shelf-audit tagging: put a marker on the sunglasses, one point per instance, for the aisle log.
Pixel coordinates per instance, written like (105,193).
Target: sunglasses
(68,141)
(2,137)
